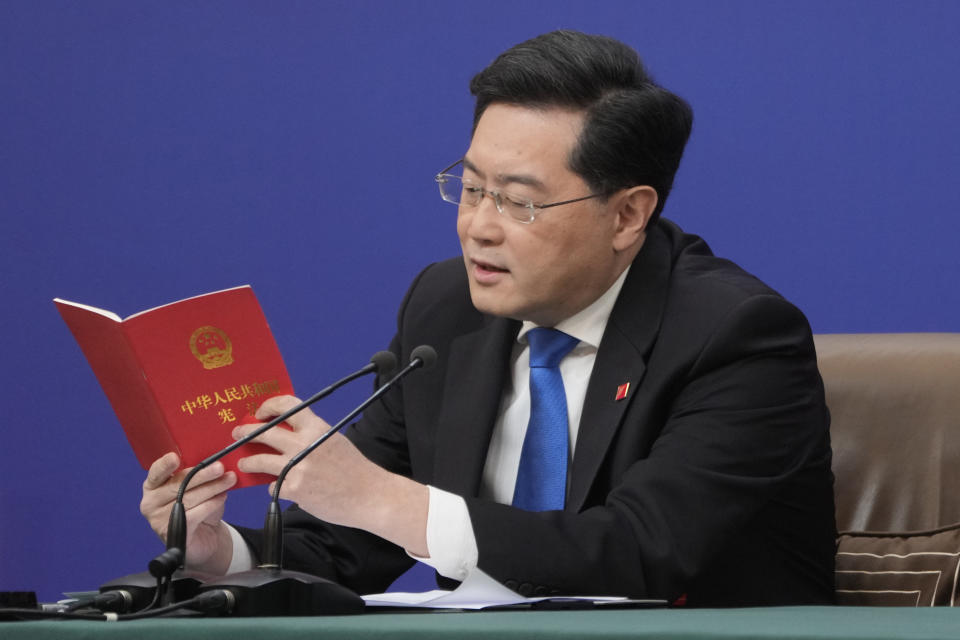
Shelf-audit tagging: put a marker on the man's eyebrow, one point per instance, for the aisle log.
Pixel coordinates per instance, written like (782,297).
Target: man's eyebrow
(509,178)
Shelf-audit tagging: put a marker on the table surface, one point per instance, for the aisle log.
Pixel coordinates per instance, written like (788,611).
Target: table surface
(773,622)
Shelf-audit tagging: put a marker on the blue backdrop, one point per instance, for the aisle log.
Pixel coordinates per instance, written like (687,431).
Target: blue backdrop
(150,151)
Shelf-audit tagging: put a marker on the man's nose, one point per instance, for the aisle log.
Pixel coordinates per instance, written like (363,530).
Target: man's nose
(486,221)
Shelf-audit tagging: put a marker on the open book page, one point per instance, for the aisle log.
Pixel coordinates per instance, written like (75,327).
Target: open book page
(169,304)
(86,307)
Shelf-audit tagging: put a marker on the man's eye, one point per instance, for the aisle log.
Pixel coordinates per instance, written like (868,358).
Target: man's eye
(471,189)
(516,201)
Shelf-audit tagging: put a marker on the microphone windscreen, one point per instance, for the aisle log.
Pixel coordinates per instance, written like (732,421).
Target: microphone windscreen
(384,361)
(426,355)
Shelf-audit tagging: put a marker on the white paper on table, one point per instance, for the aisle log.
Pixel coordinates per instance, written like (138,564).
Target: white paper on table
(480,591)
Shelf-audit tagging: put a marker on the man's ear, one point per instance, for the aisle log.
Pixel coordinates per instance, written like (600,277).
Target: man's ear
(633,208)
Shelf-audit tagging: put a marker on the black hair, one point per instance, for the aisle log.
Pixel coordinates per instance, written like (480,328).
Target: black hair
(634,130)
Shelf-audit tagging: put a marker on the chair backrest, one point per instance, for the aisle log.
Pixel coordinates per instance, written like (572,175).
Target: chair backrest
(894,401)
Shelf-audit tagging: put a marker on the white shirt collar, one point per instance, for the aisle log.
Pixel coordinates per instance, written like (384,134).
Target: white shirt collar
(588,324)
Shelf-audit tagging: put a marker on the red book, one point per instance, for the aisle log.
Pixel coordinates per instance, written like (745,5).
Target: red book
(180,377)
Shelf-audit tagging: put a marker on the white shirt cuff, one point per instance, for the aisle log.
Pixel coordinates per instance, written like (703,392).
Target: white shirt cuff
(242,559)
(450,540)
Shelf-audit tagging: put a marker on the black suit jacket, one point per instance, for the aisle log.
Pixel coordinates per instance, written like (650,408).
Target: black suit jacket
(711,479)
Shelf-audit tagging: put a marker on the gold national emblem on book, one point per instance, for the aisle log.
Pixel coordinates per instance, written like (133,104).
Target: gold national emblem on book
(211,347)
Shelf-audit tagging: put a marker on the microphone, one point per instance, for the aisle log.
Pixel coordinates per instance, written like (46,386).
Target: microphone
(143,586)
(269,590)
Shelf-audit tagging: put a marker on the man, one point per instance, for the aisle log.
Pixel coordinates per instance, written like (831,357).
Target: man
(694,458)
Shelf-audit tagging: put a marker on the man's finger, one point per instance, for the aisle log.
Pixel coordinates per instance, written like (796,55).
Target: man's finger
(202,512)
(262,463)
(209,490)
(306,419)
(283,440)
(166,492)
(205,475)
(272,407)
(161,470)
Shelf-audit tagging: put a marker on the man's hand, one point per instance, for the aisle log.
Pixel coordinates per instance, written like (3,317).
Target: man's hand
(336,482)
(209,546)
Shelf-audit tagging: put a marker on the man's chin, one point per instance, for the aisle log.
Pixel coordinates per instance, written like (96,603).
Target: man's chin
(486,301)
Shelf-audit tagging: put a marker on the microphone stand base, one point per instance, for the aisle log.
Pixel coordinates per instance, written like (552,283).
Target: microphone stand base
(278,592)
(142,587)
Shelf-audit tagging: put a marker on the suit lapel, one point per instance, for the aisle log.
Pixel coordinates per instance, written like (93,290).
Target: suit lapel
(477,372)
(631,331)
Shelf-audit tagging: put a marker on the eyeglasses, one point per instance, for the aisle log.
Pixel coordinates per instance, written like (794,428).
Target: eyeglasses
(461,191)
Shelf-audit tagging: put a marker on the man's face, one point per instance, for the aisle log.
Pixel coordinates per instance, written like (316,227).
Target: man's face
(550,269)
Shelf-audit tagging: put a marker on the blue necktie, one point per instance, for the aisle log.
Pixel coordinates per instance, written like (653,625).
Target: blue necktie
(542,476)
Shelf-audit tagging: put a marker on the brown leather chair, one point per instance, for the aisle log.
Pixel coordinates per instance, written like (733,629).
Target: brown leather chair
(894,401)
